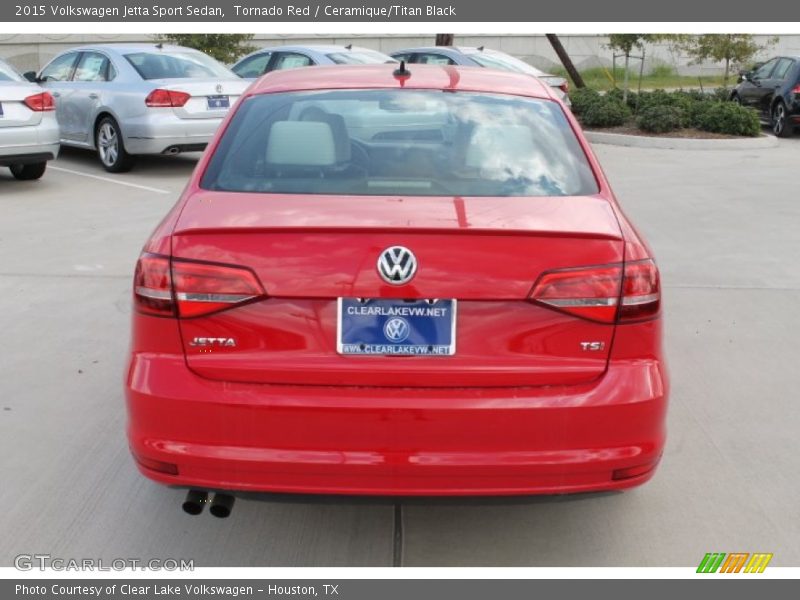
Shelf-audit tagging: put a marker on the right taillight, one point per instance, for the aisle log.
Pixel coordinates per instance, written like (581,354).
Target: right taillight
(606,293)
(191,288)
(796,89)
(160,98)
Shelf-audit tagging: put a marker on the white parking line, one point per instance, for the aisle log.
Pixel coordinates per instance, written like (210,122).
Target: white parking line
(110,180)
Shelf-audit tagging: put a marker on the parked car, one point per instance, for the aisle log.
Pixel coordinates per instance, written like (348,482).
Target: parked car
(277,58)
(773,88)
(127,100)
(373,287)
(480,57)
(28,126)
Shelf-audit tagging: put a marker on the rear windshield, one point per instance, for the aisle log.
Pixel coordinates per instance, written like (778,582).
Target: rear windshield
(400,142)
(359,57)
(7,73)
(503,62)
(176,65)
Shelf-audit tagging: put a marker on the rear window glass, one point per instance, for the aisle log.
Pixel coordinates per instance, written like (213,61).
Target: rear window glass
(7,73)
(503,62)
(400,142)
(176,65)
(359,57)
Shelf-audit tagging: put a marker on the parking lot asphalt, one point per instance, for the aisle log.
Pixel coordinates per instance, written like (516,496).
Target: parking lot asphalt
(724,227)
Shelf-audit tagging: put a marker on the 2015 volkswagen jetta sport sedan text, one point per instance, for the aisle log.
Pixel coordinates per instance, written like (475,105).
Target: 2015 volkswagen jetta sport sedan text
(383,282)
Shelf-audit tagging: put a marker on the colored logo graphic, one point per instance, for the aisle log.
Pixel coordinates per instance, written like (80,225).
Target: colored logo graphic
(396,330)
(735,562)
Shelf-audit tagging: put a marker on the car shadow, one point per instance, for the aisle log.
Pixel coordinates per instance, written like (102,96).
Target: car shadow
(86,160)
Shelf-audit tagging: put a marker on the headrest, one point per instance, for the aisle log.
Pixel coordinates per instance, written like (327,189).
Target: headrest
(341,137)
(301,144)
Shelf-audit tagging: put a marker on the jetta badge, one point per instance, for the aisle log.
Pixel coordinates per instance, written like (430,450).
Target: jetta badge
(397,265)
(219,88)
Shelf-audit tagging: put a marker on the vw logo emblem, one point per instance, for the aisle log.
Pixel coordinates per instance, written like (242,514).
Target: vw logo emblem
(396,330)
(219,88)
(397,265)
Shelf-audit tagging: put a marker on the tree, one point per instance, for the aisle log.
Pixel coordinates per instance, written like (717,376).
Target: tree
(625,43)
(225,47)
(730,48)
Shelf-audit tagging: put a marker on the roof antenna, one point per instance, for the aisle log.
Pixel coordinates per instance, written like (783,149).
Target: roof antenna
(349,46)
(481,48)
(401,71)
(160,46)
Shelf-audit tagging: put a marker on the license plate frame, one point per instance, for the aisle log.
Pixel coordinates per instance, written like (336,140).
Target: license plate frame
(366,331)
(218,102)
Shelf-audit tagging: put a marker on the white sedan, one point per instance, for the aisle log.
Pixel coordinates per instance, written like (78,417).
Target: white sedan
(29,132)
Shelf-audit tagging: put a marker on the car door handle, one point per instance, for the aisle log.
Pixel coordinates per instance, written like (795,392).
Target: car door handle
(94,96)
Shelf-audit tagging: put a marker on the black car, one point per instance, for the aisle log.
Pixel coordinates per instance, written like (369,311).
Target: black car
(773,89)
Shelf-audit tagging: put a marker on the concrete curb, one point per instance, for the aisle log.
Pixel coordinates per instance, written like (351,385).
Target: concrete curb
(665,143)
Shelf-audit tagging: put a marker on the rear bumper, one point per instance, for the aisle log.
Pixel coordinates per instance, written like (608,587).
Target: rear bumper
(32,143)
(158,132)
(396,441)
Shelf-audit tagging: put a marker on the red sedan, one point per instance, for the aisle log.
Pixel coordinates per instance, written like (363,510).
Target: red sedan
(404,283)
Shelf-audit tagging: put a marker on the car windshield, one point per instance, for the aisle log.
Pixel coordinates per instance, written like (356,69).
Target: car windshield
(503,62)
(400,142)
(176,65)
(7,73)
(359,57)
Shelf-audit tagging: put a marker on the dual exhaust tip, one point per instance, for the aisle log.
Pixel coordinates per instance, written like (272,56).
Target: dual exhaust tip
(196,500)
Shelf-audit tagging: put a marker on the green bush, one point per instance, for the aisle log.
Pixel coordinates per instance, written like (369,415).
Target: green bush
(661,119)
(664,98)
(582,98)
(721,94)
(605,112)
(696,113)
(618,94)
(729,118)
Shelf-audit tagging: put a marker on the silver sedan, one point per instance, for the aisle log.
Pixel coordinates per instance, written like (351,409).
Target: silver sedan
(28,126)
(277,58)
(126,100)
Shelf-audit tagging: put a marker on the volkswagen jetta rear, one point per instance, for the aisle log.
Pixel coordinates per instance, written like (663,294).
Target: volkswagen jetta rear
(379,282)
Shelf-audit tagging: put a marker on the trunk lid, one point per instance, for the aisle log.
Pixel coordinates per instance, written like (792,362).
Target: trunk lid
(13,110)
(484,252)
(198,106)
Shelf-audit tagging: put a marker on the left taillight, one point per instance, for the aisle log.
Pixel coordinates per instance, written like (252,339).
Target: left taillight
(606,293)
(42,102)
(152,286)
(564,87)
(191,289)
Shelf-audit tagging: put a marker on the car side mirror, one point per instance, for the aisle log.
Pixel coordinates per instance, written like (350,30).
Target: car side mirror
(31,76)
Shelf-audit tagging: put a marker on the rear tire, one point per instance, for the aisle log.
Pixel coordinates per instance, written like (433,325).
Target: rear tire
(780,121)
(736,100)
(28,172)
(110,147)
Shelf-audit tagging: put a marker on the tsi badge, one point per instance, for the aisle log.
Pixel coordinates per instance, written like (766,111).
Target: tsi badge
(396,330)
(213,342)
(592,346)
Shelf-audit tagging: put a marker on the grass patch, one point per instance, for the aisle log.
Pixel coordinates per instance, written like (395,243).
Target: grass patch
(660,77)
